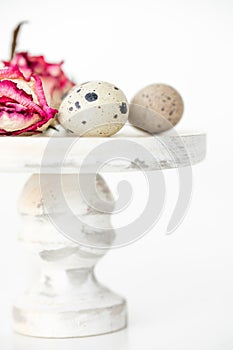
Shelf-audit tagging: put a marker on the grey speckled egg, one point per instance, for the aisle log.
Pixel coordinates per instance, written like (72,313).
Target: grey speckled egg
(156,108)
(95,108)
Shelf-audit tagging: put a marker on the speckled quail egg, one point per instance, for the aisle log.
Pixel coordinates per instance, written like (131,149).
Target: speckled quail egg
(156,108)
(95,108)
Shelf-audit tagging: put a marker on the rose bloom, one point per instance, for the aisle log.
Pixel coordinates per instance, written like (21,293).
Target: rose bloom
(23,106)
(54,80)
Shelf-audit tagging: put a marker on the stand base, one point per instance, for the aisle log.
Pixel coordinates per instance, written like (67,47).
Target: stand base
(80,316)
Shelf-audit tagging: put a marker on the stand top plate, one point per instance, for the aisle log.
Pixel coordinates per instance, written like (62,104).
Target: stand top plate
(130,149)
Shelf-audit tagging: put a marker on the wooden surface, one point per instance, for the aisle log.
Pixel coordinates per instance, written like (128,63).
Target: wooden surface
(45,152)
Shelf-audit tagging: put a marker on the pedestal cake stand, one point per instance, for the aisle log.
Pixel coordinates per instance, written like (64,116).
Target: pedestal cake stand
(68,301)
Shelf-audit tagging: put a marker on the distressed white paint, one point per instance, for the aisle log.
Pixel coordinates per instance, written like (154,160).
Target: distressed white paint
(25,154)
(68,301)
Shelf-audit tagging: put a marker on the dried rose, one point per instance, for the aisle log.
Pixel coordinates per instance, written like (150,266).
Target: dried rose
(54,80)
(23,107)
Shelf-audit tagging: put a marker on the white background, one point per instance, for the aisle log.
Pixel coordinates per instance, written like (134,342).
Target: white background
(180,287)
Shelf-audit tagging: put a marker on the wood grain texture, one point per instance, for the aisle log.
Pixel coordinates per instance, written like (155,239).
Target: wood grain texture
(35,154)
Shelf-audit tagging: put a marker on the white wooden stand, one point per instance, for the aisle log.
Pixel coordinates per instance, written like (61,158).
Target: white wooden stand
(68,301)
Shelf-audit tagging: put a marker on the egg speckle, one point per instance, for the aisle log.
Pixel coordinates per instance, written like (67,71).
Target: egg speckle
(77,105)
(123,108)
(91,96)
(94,108)
(156,108)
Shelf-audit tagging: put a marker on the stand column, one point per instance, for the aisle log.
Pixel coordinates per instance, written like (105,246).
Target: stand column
(67,301)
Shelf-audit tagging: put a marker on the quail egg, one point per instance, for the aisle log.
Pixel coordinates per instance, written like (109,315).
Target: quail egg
(156,108)
(95,108)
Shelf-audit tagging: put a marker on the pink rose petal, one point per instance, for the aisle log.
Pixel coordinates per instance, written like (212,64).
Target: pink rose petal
(19,112)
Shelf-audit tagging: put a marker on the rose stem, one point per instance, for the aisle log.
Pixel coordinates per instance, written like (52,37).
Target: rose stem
(14,38)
